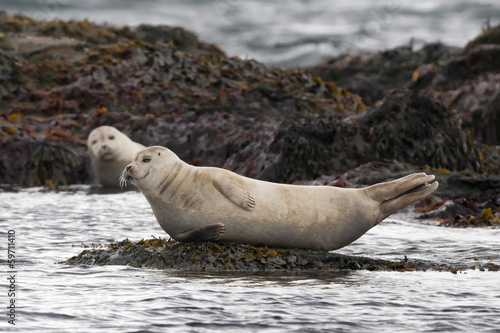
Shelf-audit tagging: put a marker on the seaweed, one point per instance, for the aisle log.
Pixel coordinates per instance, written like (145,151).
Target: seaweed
(158,253)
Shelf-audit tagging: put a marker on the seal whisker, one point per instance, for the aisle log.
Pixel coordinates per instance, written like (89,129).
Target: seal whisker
(123,182)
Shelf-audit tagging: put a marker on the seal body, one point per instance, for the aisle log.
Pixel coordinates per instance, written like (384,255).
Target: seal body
(213,204)
(110,151)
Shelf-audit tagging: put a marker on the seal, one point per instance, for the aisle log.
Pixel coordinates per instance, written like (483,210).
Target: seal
(110,151)
(212,204)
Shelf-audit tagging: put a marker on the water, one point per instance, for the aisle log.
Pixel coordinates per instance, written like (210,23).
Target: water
(50,227)
(292,32)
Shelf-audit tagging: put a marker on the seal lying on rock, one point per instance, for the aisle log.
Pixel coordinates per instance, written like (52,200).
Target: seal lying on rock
(110,151)
(212,204)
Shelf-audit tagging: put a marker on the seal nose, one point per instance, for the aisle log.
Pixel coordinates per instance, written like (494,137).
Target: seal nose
(104,146)
(128,167)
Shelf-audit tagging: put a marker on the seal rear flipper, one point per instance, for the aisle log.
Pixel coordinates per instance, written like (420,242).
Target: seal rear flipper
(417,193)
(211,232)
(232,189)
(396,188)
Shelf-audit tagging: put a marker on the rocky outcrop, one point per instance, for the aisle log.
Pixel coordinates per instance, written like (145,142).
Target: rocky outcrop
(158,253)
(464,79)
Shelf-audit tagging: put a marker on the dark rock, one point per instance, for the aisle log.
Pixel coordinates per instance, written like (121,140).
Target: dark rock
(159,254)
(373,76)
(490,35)
(48,165)
(419,130)
(463,79)
(184,40)
(406,127)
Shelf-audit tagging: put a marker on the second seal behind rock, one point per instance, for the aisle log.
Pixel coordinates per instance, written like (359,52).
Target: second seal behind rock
(110,151)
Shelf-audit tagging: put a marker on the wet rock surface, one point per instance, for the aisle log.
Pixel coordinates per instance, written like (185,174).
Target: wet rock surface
(158,253)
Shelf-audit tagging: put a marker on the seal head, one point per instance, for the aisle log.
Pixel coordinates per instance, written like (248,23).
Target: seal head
(110,151)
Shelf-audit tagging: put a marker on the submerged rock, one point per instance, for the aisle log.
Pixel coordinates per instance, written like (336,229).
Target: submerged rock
(158,253)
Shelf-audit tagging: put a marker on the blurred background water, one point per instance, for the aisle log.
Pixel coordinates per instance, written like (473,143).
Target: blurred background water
(292,32)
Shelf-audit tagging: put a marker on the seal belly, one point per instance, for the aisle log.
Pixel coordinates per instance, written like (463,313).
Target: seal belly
(301,216)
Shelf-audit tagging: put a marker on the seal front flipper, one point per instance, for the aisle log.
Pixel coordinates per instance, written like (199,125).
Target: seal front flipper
(211,232)
(232,189)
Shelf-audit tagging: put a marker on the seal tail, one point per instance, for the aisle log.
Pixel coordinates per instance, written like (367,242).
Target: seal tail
(401,192)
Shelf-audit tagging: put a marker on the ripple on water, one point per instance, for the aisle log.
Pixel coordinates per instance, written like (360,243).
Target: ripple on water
(111,298)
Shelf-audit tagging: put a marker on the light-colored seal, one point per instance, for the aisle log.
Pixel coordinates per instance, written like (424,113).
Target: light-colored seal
(110,151)
(212,204)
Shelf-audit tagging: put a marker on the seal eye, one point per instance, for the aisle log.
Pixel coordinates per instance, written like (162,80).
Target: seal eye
(94,142)
(111,137)
(146,159)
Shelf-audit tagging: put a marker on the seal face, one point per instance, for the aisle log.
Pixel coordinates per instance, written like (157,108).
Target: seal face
(212,204)
(110,151)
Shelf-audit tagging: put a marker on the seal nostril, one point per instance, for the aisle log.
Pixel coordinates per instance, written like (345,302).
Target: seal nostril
(128,167)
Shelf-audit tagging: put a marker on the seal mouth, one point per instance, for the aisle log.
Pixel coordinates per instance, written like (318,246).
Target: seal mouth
(139,178)
(105,154)
(124,179)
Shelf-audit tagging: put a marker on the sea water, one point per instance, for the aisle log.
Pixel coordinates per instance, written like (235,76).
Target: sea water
(50,227)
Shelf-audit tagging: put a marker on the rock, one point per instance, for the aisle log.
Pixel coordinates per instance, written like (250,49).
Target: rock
(183,40)
(48,165)
(419,130)
(13,81)
(476,103)
(41,47)
(158,253)
(373,76)
(490,35)
(464,79)
(406,127)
